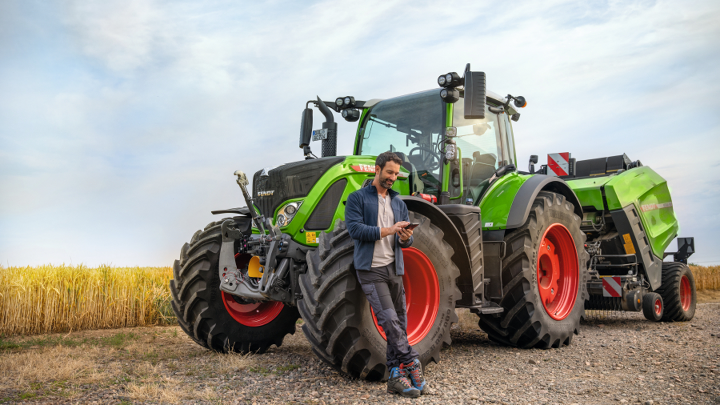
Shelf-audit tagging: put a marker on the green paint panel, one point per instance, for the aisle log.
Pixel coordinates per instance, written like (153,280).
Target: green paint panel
(355,179)
(496,203)
(588,191)
(649,193)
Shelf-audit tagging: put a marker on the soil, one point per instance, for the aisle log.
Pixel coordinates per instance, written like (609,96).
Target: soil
(616,358)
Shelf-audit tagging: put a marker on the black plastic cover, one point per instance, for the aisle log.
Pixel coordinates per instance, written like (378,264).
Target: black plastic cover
(292,180)
(322,215)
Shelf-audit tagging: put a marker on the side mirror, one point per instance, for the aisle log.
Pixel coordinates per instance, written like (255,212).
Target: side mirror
(533,162)
(306,128)
(474,94)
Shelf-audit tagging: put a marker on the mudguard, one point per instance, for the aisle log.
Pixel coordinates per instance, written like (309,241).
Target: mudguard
(471,277)
(526,194)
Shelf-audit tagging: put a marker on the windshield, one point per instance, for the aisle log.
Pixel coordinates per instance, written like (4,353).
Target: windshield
(412,127)
(483,146)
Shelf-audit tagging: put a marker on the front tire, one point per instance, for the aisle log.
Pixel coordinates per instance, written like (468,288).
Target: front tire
(216,320)
(338,319)
(678,292)
(544,278)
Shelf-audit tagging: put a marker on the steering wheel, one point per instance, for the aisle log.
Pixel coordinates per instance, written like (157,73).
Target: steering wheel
(431,162)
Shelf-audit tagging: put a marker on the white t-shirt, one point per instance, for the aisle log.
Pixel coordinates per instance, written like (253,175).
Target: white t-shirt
(384,251)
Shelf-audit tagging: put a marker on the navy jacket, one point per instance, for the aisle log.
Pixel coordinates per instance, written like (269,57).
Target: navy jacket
(361,212)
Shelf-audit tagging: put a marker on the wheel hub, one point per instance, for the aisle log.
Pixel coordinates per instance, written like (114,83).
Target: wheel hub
(557,272)
(658,306)
(422,295)
(253,314)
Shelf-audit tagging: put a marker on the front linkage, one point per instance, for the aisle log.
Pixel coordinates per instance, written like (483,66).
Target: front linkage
(270,248)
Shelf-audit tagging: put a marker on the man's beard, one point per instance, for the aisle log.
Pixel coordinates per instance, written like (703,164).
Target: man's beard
(386,182)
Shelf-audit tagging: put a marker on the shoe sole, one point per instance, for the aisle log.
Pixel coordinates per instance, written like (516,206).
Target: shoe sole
(402,394)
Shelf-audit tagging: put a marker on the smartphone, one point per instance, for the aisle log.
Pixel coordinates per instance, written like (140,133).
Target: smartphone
(411,226)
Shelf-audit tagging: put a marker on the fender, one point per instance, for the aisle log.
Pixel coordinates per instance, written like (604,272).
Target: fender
(525,197)
(461,257)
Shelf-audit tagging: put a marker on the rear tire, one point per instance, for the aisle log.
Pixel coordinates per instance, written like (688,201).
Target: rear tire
(678,292)
(533,317)
(653,307)
(201,308)
(338,320)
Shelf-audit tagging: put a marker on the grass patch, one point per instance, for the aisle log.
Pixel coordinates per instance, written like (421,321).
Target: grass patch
(118,341)
(284,369)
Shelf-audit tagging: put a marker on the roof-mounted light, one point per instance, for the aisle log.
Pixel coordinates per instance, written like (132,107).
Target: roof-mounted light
(351,114)
(450,95)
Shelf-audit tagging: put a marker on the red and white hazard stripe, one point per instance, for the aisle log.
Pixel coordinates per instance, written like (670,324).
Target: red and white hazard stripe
(559,164)
(612,287)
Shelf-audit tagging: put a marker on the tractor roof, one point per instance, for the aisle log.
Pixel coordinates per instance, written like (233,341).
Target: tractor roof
(493,96)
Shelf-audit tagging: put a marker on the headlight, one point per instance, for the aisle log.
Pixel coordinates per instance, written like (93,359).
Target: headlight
(287,212)
(339,101)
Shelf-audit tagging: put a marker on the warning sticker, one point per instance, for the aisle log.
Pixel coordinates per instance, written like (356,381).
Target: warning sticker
(652,207)
(612,287)
(629,247)
(310,237)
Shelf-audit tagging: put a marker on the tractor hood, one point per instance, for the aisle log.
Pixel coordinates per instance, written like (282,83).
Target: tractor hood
(291,180)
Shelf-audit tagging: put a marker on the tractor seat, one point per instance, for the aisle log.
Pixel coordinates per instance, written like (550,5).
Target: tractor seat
(483,168)
(416,185)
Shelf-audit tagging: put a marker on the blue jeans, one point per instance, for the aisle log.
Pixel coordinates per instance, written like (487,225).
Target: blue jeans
(386,294)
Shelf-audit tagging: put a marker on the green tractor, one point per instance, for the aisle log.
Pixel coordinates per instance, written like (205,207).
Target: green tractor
(528,252)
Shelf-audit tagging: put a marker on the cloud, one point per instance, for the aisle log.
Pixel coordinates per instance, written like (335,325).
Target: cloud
(121,122)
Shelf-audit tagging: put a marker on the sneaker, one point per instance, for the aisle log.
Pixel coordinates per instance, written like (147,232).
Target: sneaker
(399,384)
(413,372)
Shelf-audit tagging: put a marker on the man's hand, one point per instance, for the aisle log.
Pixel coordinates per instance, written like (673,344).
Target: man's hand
(394,229)
(405,234)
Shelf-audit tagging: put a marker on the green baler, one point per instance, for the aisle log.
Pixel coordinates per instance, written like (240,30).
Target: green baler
(527,252)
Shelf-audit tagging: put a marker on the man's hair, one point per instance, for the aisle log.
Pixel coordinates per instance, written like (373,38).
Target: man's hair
(387,157)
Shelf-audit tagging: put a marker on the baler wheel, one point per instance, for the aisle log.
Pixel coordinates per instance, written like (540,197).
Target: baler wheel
(216,320)
(339,322)
(678,292)
(653,307)
(544,278)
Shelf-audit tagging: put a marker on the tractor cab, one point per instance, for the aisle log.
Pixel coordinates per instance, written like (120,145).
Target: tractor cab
(415,127)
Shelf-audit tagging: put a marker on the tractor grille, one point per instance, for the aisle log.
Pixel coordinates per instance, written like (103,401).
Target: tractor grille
(322,215)
(292,180)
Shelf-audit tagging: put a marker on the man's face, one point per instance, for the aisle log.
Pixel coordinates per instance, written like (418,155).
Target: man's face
(388,174)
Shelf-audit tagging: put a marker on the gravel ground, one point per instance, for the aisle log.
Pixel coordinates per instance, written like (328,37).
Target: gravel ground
(615,359)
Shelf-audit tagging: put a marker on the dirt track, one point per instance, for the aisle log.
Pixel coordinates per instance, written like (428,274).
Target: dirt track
(616,359)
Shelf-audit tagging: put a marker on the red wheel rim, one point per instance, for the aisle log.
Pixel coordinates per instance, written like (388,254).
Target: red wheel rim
(252,315)
(658,306)
(685,293)
(422,295)
(557,272)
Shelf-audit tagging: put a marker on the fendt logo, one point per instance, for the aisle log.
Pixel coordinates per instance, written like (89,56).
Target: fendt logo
(265,193)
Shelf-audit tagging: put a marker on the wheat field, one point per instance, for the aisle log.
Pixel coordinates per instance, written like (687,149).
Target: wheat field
(48,299)
(51,299)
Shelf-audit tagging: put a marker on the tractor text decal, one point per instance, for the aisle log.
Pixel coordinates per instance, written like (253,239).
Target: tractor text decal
(651,207)
(371,169)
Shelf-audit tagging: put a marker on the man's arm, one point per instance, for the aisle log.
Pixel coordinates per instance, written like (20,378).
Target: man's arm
(354,221)
(405,217)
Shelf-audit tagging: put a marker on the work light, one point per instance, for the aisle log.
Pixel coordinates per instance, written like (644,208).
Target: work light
(351,114)
(339,101)
(450,95)
(349,102)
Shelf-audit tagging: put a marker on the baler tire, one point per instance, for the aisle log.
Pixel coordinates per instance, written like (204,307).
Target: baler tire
(198,303)
(678,285)
(338,319)
(653,307)
(525,323)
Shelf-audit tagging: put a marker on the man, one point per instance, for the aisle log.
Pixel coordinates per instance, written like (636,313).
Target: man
(370,215)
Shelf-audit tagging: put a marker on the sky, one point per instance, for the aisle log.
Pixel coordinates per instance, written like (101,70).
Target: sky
(122,122)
